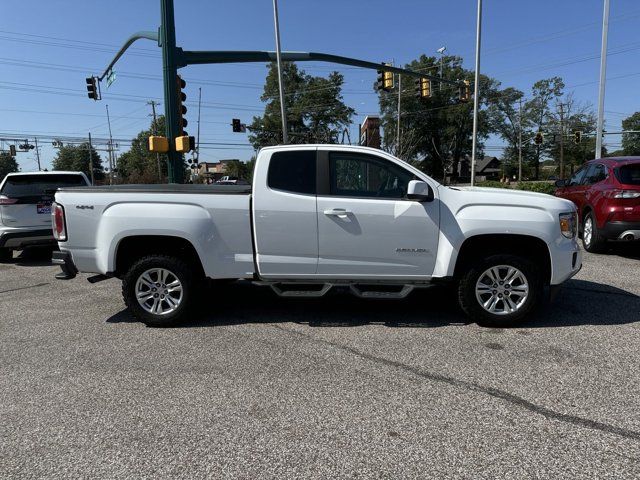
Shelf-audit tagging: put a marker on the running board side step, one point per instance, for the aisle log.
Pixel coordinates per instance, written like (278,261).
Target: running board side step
(366,291)
(293,289)
(296,289)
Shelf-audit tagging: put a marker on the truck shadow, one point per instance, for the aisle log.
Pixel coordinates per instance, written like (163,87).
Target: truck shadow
(577,303)
(32,257)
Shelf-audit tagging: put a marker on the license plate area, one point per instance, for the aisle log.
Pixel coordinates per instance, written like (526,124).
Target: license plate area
(43,208)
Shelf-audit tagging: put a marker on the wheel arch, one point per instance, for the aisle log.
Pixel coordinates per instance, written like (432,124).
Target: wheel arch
(516,244)
(131,248)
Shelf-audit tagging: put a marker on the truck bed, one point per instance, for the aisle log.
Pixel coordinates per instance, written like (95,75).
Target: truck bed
(171,188)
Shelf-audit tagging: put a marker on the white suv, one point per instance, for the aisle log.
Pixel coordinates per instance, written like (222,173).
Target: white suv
(25,207)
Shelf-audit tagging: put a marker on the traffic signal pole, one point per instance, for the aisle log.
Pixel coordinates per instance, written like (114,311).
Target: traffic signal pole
(174,57)
(169,75)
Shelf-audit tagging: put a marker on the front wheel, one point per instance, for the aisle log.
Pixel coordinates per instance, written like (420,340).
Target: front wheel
(592,241)
(159,290)
(500,290)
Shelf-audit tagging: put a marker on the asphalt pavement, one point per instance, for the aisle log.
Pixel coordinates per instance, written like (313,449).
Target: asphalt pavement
(265,387)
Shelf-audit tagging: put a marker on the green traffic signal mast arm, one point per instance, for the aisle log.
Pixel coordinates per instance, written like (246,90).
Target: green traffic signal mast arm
(186,57)
(136,36)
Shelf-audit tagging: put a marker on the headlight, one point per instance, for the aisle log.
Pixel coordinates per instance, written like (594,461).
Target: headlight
(569,224)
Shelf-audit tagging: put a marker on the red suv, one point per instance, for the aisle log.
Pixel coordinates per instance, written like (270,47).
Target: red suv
(607,194)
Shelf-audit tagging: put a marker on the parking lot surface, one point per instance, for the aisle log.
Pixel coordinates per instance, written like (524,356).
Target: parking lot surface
(265,387)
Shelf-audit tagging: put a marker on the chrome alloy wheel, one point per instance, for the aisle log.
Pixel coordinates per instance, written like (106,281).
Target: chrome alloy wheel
(587,233)
(502,290)
(159,291)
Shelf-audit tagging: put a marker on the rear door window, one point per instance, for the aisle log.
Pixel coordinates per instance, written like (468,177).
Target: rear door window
(595,174)
(35,185)
(629,174)
(293,171)
(577,177)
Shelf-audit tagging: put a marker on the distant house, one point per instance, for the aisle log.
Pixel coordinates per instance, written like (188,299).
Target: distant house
(487,168)
(214,170)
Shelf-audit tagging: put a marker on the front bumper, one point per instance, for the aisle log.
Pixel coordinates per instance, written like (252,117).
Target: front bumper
(67,266)
(566,261)
(25,237)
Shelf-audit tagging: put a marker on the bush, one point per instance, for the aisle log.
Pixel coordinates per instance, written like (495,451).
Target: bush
(540,187)
(492,184)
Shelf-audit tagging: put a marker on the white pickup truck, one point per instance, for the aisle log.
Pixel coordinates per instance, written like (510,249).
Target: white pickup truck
(316,217)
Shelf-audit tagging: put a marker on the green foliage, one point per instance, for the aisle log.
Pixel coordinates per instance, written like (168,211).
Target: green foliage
(314,108)
(540,187)
(631,141)
(8,164)
(236,168)
(76,158)
(493,184)
(440,126)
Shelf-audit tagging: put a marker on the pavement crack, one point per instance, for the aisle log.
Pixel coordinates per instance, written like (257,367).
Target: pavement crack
(24,288)
(491,391)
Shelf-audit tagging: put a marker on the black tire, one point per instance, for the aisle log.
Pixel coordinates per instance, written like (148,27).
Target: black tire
(179,269)
(6,254)
(471,305)
(596,243)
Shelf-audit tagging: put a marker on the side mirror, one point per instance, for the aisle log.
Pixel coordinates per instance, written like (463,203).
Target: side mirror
(419,191)
(561,183)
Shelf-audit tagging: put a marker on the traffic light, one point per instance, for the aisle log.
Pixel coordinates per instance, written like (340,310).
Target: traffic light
(539,138)
(12,150)
(385,80)
(93,90)
(158,144)
(577,137)
(236,126)
(465,91)
(182,109)
(424,88)
(185,144)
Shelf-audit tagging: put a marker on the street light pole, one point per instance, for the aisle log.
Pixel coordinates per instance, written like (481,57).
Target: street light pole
(476,95)
(520,139)
(398,143)
(603,78)
(276,23)
(110,148)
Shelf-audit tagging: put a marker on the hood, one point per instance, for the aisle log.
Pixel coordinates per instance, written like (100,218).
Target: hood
(508,196)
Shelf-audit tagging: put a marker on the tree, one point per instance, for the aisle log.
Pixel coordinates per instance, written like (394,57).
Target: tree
(139,165)
(236,168)
(442,124)
(631,141)
(8,164)
(577,117)
(76,158)
(538,111)
(314,108)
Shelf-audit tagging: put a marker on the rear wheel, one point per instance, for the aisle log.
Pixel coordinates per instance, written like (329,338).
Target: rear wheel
(500,290)
(6,254)
(160,290)
(592,241)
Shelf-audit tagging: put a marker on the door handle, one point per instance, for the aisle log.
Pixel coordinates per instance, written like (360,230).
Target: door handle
(338,212)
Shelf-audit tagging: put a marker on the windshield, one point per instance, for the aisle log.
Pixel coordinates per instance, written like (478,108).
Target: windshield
(629,174)
(20,185)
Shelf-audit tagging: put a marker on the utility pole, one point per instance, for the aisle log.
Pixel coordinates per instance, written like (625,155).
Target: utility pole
(476,94)
(153,104)
(93,181)
(110,149)
(198,132)
(603,78)
(441,51)
(37,153)
(561,107)
(398,142)
(520,139)
(285,136)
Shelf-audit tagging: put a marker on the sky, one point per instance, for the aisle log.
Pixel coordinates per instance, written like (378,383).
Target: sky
(48,47)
